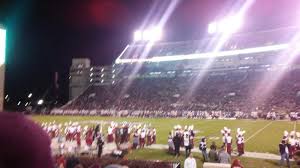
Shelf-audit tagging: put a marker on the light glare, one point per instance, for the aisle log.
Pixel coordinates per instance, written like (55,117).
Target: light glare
(30,95)
(138,35)
(40,102)
(2,46)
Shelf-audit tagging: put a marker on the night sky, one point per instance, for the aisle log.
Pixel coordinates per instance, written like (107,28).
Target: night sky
(44,35)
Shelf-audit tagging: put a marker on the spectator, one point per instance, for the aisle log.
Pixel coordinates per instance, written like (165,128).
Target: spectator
(283,150)
(72,162)
(213,145)
(190,162)
(236,164)
(297,158)
(61,162)
(212,154)
(24,143)
(79,166)
(224,157)
(202,148)
(116,166)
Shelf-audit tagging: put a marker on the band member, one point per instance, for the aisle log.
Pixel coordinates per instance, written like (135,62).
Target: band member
(229,143)
(78,137)
(298,140)
(292,144)
(110,135)
(285,136)
(149,137)
(240,141)
(89,137)
(154,136)
(186,142)
(142,138)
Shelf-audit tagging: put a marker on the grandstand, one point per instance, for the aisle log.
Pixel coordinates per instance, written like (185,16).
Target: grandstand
(191,79)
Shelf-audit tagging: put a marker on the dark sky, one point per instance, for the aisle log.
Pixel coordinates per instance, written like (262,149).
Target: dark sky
(44,35)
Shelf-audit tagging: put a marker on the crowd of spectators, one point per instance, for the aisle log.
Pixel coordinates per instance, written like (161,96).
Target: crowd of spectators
(225,95)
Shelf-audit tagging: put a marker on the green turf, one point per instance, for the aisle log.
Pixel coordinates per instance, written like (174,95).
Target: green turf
(265,141)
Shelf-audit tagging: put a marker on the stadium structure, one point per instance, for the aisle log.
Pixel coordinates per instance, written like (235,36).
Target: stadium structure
(250,73)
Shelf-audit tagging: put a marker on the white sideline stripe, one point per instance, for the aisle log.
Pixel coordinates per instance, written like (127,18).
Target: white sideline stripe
(257,132)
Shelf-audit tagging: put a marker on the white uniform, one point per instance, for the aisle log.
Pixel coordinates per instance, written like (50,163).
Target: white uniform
(186,138)
(228,139)
(240,140)
(143,134)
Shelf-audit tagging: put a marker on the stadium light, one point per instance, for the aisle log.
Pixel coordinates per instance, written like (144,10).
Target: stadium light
(212,28)
(229,24)
(6,97)
(30,95)
(40,102)
(150,34)
(19,103)
(138,36)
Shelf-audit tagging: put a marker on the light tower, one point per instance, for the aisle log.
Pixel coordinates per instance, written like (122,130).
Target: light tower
(2,64)
(151,34)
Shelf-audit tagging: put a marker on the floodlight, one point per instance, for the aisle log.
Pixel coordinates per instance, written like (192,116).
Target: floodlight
(152,34)
(137,35)
(30,95)
(146,35)
(212,28)
(40,102)
(156,34)
(230,24)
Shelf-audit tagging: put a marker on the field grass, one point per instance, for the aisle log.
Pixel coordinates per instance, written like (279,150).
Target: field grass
(261,136)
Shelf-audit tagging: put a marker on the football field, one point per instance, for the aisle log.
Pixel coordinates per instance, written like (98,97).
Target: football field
(261,135)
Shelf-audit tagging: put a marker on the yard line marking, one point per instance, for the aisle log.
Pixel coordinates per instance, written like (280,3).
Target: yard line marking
(257,132)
